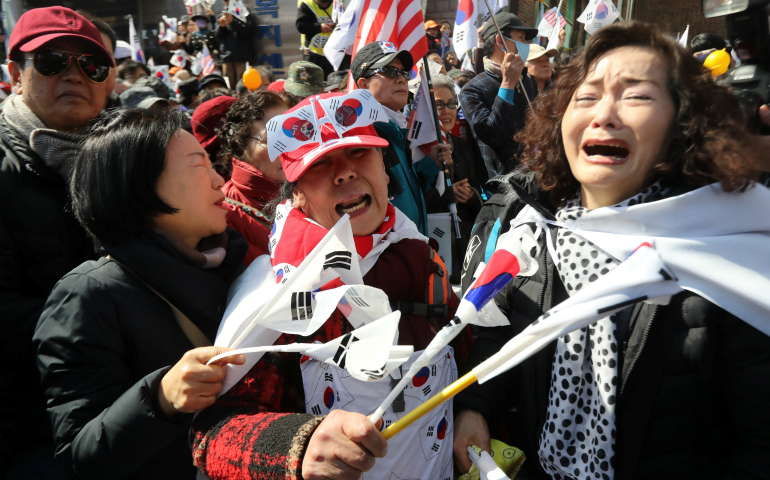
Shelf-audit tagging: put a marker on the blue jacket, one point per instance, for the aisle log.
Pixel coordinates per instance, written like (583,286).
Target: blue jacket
(415,179)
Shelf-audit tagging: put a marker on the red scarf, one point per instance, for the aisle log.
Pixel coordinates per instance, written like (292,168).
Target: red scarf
(250,186)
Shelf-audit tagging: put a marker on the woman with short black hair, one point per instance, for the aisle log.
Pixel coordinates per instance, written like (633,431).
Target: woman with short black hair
(117,339)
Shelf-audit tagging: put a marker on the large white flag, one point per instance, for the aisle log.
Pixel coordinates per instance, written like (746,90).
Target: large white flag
(368,354)
(642,277)
(136,48)
(341,40)
(549,21)
(465,35)
(597,14)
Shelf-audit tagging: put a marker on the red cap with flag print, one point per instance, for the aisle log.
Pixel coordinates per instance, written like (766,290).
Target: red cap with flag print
(322,124)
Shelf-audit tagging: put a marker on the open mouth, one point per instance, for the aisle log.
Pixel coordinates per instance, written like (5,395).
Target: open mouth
(614,152)
(354,204)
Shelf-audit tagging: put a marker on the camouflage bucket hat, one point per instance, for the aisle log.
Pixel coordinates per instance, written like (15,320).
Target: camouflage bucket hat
(305,79)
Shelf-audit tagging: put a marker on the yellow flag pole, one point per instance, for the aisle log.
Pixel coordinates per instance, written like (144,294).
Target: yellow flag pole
(466,381)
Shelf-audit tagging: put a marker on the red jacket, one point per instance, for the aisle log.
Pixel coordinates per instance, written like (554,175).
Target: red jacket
(248,186)
(259,428)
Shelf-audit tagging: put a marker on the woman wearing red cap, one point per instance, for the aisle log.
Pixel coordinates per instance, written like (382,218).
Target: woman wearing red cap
(271,420)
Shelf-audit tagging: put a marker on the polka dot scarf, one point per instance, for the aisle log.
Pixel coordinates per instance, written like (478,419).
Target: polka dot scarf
(578,439)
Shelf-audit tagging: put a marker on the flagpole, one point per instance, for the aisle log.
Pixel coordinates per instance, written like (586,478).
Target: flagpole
(450,194)
(521,84)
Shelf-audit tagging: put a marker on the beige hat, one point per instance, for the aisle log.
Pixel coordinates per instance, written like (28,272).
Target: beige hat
(536,51)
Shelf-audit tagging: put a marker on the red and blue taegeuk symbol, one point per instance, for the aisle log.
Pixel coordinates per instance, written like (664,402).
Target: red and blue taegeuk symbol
(421,377)
(329,397)
(501,268)
(347,114)
(279,275)
(464,11)
(601,11)
(441,429)
(297,128)
(344,307)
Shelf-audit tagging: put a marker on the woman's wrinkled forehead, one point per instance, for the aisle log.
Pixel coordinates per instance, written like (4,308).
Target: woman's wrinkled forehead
(628,65)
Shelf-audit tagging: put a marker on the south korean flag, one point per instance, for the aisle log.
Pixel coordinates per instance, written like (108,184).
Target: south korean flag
(435,431)
(179,58)
(356,109)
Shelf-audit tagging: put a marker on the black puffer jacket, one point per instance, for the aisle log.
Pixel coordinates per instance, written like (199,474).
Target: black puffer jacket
(236,40)
(104,342)
(40,241)
(695,380)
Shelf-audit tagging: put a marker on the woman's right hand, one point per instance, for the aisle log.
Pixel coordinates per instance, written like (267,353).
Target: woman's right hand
(191,385)
(343,446)
(470,429)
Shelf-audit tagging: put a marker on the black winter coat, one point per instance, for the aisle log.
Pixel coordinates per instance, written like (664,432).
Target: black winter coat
(40,241)
(695,380)
(104,342)
(236,41)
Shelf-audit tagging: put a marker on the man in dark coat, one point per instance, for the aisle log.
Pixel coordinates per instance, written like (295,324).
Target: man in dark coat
(493,102)
(40,240)
(234,36)
(314,22)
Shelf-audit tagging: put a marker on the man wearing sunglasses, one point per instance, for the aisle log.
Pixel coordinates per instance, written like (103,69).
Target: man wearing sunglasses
(384,70)
(59,70)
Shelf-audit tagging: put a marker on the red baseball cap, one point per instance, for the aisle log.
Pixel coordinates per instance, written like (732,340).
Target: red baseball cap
(41,25)
(297,161)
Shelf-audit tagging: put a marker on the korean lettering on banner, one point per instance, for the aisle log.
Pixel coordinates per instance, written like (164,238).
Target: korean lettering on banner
(270,32)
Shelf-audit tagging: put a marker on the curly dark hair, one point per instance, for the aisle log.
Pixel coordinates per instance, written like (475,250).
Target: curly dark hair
(235,130)
(708,141)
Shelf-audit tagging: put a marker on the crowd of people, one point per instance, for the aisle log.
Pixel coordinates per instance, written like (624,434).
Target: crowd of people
(130,206)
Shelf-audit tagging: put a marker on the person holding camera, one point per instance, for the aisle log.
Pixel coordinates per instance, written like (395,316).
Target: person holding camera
(634,129)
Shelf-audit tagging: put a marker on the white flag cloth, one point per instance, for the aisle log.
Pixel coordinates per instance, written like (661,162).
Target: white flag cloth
(512,258)
(368,354)
(422,127)
(207,61)
(716,243)
(161,72)
(341,40)
(548,22)
(642,277)
(196,67)
(553,39)
(683,39)
(467,23)
(597,14)
(136,49)
(338,9)
(238,10)
(179,58)
(356,109)
(496,6)
(168,29)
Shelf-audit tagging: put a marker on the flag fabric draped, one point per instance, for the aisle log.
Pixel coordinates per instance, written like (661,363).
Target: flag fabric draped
(208,65)
(238,9)
(597,14)
(495,5)
(136,48)
(683,39)
(465,36)
(341,40)
(397,21)
(548,22)
(422,127)
(553,39)
(179,58)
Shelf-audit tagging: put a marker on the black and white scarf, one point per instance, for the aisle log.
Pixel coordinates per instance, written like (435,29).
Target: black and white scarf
(578,439)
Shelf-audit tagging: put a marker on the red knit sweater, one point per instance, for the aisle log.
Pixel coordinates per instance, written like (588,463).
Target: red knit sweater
(259,428)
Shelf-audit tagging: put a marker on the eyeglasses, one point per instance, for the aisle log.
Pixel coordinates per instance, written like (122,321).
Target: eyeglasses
(441,105)
(389,72)
(260,140)
(51,63)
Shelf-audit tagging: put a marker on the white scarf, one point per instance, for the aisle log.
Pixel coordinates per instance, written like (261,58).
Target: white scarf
(396,117)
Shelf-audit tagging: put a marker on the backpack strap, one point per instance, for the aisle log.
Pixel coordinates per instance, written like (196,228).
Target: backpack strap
(191,331)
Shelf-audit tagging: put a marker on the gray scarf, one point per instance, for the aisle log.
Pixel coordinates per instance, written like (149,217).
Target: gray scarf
(57,149)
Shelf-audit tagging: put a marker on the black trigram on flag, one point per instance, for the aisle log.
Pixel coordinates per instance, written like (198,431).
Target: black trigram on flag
(430,431)
(279,146)
(387,423)
(416,126)
(328,377)
(460,36)
(589,16)
(438,232)
(435,447)
(355,297)
(341,259)
(373,114)
(426,390)
(316,410)
(342,351)
(301,306)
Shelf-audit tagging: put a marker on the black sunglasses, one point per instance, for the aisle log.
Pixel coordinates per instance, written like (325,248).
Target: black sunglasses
(51,63)
(389,71)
